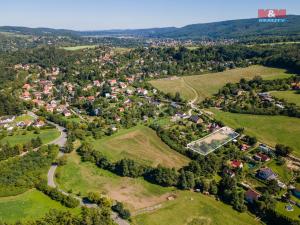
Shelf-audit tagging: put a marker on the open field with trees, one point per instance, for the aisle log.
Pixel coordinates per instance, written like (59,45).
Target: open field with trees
(141,144)
(268,129)
(30,205)
(193,208)
(20,137)
(208,84)
(83,177)
(289,96)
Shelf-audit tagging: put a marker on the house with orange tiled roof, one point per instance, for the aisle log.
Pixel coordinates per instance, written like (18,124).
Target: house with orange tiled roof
(91,98)
(26,87)
(26,95)
(112,82)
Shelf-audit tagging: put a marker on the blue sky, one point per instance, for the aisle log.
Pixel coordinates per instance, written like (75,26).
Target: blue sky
(114,14)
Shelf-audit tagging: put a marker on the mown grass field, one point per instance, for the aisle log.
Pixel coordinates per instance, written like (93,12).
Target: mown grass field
(208,84)
(192,209)
(289,96)
(268,129)
(83,177)
(29,205)
(79,47)
(47,136)
(141,144)
(24,117)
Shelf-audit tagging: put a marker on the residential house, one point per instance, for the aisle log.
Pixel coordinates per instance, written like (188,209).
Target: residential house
(196,119)
(130,79)
(61,108)
(47,89)
(122,85)
(129,91)
(66,113)
(25,123)
(91,98)
(266,174)
(38,102)
(261,157)
(38,123)
(265,149)
(7,120)
(26,95)
(296,86)
(55,71)
(112,82)
(49,108)
(96,83)
(236,164)
(244,147)
(175,105)
(53,103)
(26,87)
(142,91)
(252,195)
(37,95)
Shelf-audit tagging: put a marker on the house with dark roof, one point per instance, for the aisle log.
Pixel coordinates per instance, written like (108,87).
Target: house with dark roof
(251,195)
(261,157)
(266,174)
(196,119)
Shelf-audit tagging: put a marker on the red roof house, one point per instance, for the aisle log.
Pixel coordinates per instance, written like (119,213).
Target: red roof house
(236,164)
(252,195)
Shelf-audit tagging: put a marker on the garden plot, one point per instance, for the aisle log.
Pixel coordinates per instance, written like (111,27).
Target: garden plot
(213,141)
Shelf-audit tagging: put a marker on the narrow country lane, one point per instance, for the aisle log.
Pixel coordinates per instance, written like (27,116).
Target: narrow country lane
(61,142)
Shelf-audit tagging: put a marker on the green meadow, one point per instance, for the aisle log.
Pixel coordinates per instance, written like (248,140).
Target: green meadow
(30,205)
(208,84)
(268,129)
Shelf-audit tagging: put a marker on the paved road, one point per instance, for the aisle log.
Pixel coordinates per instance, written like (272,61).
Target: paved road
(61,141)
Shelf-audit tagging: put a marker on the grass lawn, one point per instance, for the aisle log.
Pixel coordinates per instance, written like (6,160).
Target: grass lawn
(142,144)
(79,47)
(289,96)
(280,207)
(193,208)
(24,117)
(47,136)
(29,205)
(268,129)
(84,177)
(282,171)
(72,119)
(208,84)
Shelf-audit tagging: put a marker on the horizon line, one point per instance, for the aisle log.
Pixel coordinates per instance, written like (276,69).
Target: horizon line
(124,29)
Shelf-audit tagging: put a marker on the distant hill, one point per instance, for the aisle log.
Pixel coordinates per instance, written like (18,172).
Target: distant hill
(226,29)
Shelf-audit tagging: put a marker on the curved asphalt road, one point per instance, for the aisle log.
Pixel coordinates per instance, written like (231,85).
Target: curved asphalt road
(61,141)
